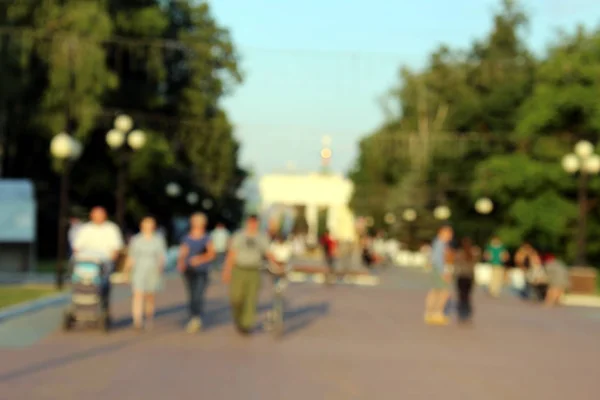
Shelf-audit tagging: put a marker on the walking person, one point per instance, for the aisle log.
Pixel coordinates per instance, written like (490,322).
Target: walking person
(196,255)
(439,294)
(100,238)
(330,250)
(558,280)
(242,270)
(497,255)
(146,258)
(464,273)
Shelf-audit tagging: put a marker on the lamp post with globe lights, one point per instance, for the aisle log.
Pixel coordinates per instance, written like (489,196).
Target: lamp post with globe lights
(64,149)
(585,162)
(483,206)
(123,138)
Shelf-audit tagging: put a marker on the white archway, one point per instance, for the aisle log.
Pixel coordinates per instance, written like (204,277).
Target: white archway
(314,191)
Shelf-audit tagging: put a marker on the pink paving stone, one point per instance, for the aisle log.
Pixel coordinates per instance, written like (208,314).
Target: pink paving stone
(345,343)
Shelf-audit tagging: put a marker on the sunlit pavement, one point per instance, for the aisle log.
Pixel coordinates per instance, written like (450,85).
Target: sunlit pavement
(342,342)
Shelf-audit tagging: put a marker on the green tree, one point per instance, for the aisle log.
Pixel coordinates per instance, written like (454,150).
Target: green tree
(72,65)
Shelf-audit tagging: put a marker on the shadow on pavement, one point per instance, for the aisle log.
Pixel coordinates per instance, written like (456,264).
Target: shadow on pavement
(219,313)
(300,318)
(58,362)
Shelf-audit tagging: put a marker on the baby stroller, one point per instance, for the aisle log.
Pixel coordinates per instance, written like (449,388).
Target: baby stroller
(89,299)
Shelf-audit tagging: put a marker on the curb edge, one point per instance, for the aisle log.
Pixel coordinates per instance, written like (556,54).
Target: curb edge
(32,306)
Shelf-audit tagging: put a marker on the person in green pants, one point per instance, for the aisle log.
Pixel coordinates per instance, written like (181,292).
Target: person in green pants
(242,270)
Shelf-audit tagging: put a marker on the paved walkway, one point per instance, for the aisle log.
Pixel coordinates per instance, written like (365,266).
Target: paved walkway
(342,342)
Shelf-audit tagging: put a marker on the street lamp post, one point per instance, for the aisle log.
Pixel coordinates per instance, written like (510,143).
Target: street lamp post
(410,216)
(587,163)
(116,139)
(483,206)
(66,150)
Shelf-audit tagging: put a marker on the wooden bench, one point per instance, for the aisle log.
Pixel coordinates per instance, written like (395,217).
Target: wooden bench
(583,280)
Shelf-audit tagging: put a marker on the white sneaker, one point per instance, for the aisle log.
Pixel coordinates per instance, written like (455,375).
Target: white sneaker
(194,325)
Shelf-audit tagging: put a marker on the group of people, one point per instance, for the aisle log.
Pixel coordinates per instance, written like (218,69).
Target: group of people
(546,277)
(241,258)
(454,262)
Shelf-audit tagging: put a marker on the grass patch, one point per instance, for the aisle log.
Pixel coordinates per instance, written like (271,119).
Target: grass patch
(15,294)
(46,266)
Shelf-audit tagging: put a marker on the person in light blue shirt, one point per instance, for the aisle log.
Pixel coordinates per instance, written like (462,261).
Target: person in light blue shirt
(439,293)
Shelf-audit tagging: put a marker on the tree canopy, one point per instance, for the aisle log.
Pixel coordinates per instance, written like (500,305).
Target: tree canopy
(490,120)
(74,65)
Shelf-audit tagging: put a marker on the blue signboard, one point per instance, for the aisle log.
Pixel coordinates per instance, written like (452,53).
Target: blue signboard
(17,211)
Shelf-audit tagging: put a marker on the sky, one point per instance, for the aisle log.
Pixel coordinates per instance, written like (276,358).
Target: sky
(319,67)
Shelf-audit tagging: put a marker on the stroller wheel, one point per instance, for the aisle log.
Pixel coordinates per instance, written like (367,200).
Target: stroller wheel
(68,321)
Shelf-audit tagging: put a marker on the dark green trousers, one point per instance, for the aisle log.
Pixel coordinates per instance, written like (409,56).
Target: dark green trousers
(244,292)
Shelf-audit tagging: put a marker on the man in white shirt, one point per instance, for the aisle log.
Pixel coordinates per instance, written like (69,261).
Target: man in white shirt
(220,239)
(102,239)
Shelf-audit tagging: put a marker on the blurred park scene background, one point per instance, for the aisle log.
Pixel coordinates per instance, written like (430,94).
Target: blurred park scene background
(492,120)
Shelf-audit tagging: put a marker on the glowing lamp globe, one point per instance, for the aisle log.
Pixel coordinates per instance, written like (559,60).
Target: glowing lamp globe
(115,138)
(136,139)
(484,205)
(390,218)
(584,149)
(76,149)
(123,123)
(570,163)
(173,189)
(61,146)
(192,198)
(409,215)
(207,204)
(442,213)
(592,164)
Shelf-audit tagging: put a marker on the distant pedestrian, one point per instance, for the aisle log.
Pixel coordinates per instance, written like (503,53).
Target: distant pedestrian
(330,250)
(220,238)
(440,275)
(558,280)
(497,255)
(196,255)
(464,273)
(245,258)
(146,258)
